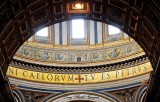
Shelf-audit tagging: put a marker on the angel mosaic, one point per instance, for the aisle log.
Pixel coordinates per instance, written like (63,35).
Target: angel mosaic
(114,53)
(44,55)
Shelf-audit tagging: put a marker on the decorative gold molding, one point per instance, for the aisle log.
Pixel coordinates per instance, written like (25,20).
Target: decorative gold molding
(89,78)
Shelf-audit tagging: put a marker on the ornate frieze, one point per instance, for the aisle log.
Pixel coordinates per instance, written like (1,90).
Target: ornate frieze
(76,56)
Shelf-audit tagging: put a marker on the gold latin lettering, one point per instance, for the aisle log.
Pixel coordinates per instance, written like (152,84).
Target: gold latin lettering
(117,73)
(128,71)
(145,68)
(32,75)
(139,68)
(133,70)
(63,77)
(103,76)
(24,73)
(42,76)
(108,76)
(49,77)
(86,77)
(92,76)
(56,77)
(10,70)
(70,77)
(38,75)
(122,73)
(16,71)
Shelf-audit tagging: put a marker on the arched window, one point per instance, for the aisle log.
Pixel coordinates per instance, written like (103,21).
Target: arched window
(78,29)
(43,35)
(113,30)
(43,32)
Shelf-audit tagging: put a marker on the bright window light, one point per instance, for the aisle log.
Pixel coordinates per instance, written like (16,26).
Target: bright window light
(113,30)
(78,29)
(43,32)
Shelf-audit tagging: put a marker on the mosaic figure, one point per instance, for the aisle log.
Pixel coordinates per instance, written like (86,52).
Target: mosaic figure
(44,55)
(114,53)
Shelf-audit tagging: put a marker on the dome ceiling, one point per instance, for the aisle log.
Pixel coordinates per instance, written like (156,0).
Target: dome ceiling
(79,43)
(96,56)
(68,54)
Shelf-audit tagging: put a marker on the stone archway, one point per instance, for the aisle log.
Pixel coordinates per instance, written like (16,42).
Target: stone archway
(138,18)
(81,101)
(82,97)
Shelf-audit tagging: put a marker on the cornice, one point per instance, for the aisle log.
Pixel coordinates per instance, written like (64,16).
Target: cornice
(84,69)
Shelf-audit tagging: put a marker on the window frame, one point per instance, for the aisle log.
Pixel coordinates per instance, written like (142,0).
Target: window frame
(78,40)
(72,29)
(38,38)
(110,35)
